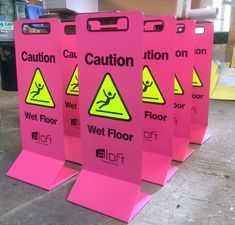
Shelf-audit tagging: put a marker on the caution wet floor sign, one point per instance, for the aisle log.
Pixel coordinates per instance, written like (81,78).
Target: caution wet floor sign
(110,78)
(157,98)
(184,47)
(71,106)
(201,81)
(40,80)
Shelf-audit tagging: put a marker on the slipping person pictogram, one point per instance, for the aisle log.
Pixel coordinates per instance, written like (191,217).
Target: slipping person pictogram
(39,87)
(75,85)
(146,84)
(108,96)
(108,102)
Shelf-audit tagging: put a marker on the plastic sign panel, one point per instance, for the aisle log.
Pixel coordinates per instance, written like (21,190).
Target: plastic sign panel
(157,98)
(184,47)
(201,81)
(41,161)
(110,78)
(71,107)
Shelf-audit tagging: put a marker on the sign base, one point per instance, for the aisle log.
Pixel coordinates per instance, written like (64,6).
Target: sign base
(181,149)
(157,168)
(198,134)
(39,170)
(113,197)
(72,149)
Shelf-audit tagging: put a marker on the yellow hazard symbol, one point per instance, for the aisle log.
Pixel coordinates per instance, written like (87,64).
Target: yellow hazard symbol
(72,88)
(178,90)
(108,102)
(38,93)
(151,92)
(196,79)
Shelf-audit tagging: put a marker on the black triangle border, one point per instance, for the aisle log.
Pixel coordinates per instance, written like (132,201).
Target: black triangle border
(109,74)
(179,85)
(46,87)
(157,88)
(70,82)
(198,78)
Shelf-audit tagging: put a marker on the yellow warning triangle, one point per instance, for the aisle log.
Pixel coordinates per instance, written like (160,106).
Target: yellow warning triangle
(196,79)
(108,102)
(38,93)
(72,88)
(178,90)
(150,90)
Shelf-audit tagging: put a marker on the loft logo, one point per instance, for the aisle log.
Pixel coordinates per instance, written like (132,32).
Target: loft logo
(74,122)
(150,135)
(41,138)
(109,157)
(175,121)
(194,110)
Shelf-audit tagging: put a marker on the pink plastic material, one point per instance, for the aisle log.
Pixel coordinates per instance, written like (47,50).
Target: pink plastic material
(200,96)
(38,57)
(184,48)
(110,181)
(159,34)
(71,92)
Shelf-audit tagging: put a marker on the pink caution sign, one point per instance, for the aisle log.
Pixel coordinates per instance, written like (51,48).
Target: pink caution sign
(38,57)
(71,92)
(184,47)
(110,77)
(201,81)
(157,98)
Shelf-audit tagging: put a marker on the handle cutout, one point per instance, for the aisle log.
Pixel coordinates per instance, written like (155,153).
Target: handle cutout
(153,26)
(36,28)
(180,28)
(70,29)
(199,30)
(106,24)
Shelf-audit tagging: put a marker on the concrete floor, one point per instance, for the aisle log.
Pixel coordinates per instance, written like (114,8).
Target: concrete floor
(202,191)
